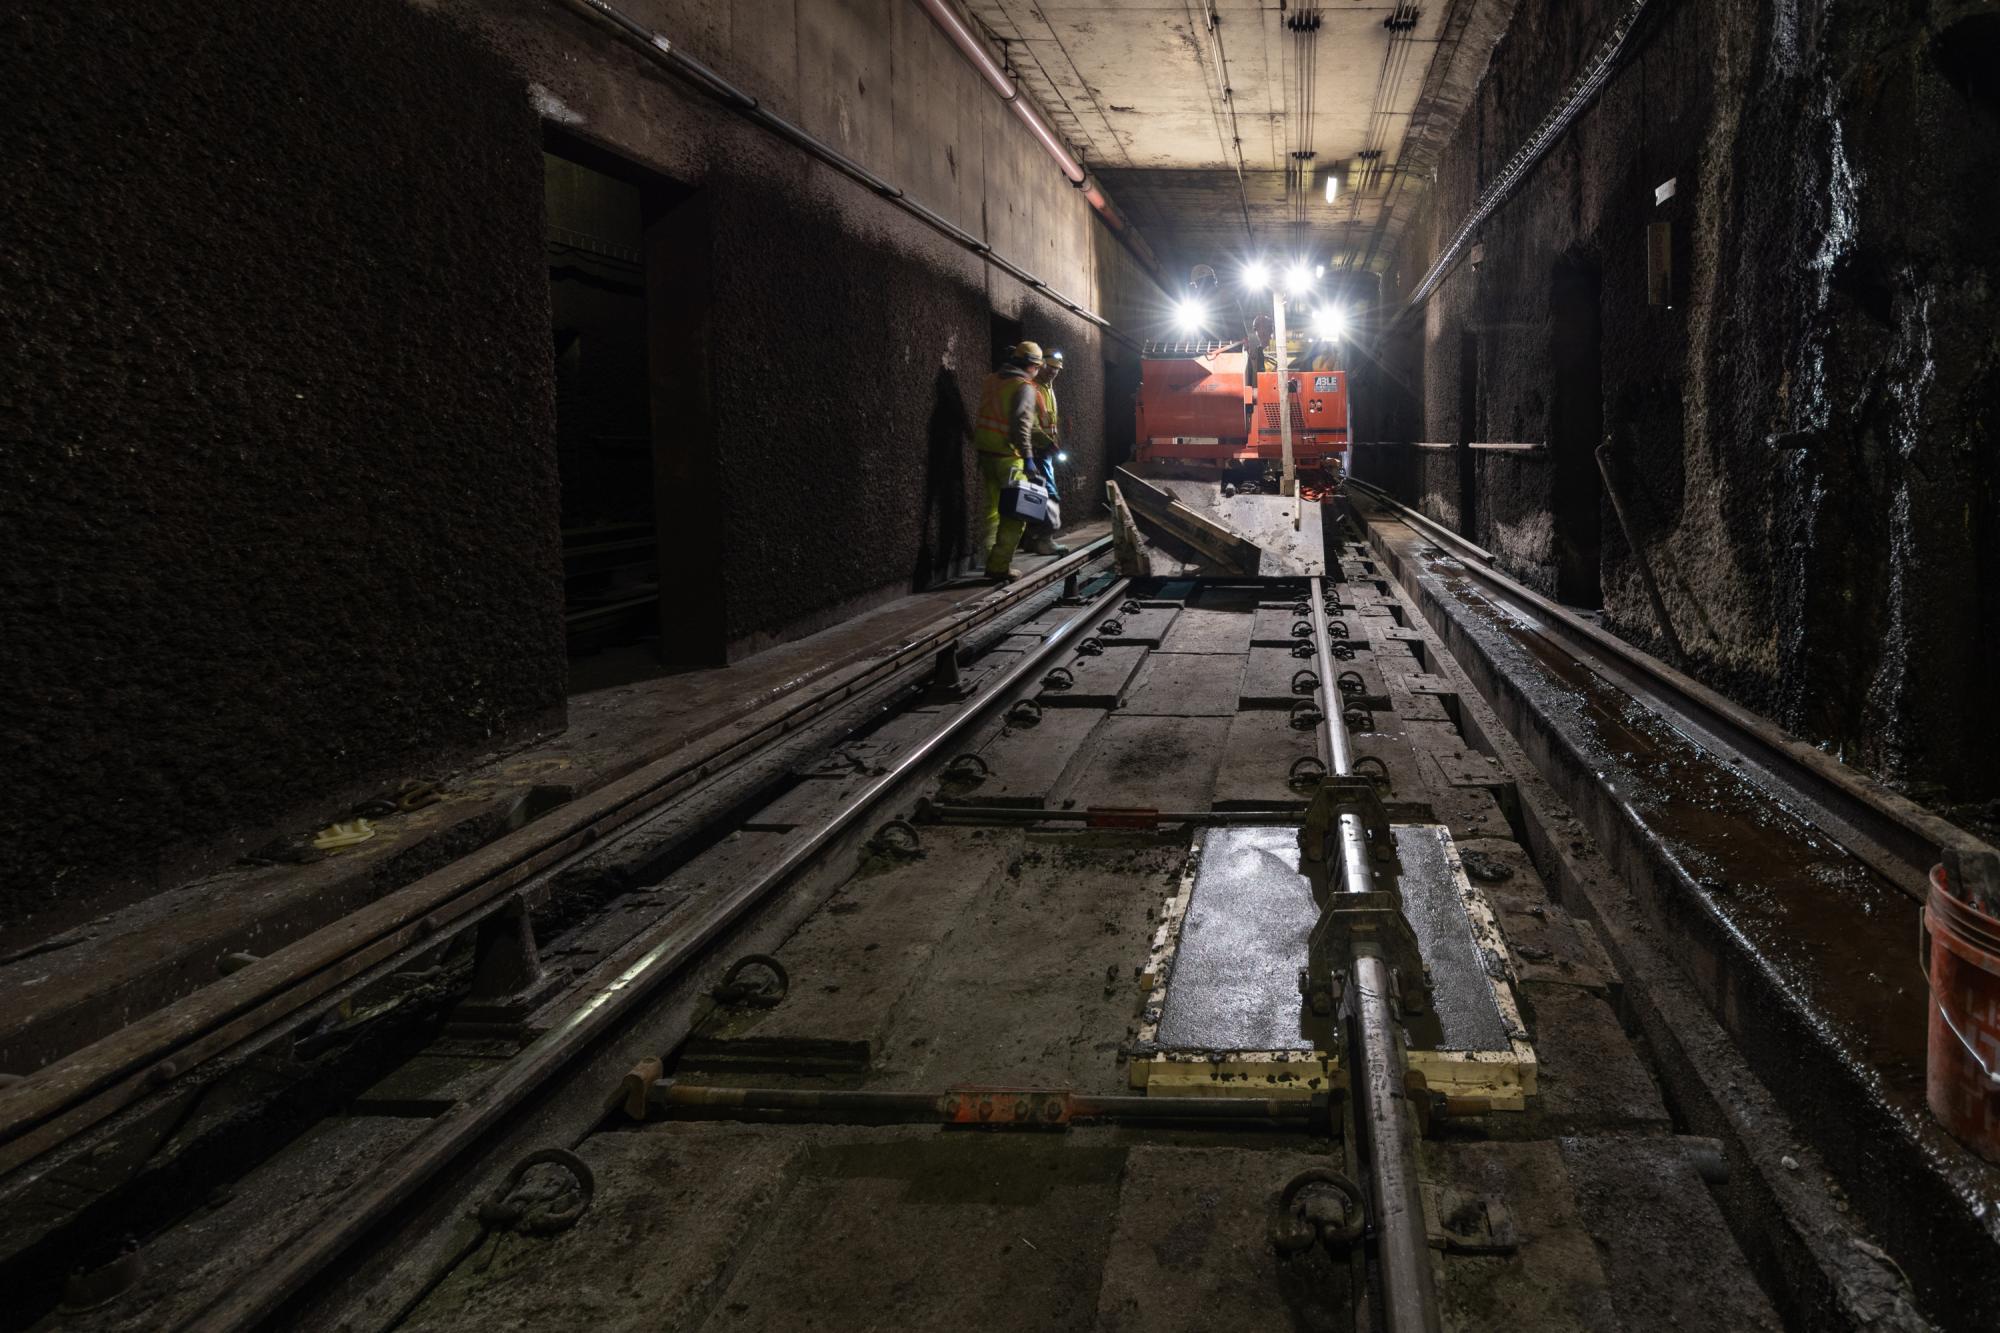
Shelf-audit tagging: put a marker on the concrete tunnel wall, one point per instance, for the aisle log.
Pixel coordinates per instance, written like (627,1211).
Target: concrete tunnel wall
(839,339)
(1807,434)
(282,511)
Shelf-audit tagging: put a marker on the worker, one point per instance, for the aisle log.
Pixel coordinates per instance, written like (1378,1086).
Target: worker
(1321,356)
(1258,345)
(1003,437)
(1041,538)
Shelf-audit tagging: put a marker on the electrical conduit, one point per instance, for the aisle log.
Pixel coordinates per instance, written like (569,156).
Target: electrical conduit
(946,17)
(661,50)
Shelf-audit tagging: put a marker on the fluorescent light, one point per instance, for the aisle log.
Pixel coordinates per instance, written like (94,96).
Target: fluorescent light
(1191,315)
(1332,185)
(1256,276)
(1330,323)
(1298,279)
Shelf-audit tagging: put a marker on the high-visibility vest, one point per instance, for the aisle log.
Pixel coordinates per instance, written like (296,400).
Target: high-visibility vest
(1045,405)
(990,427)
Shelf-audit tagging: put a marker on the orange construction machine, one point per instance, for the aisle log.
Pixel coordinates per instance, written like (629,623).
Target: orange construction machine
(1198,403)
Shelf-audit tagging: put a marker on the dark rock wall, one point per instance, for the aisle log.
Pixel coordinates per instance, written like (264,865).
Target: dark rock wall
(277,492)
(1805,436)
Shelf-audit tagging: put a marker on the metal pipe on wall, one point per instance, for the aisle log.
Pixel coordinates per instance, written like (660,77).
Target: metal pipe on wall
(946,17)
(661,50)
(981,59)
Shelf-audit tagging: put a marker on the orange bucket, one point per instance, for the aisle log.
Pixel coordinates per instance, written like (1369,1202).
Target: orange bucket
(1960,948)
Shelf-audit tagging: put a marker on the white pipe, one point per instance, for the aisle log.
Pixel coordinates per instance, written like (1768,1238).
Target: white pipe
(946,17)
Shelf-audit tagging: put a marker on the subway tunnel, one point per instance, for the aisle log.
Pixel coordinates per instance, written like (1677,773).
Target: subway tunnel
(888,664)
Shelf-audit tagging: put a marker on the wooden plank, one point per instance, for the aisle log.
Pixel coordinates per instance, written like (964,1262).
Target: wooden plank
(1231,554)
(1129,553)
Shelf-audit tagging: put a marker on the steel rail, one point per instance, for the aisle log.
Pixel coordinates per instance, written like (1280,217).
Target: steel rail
(77,1091)
(634,973)
(1377,1063)
(1896,837)
(819,1105)
(1101,817)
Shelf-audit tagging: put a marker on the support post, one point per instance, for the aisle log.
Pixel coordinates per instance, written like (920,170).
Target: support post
(1288,485)
(1639,557)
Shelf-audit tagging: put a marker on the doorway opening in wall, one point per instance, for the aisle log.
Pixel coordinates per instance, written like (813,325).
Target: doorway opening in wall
(1576,427)
(1468,431)
(1121,418)
(1006,334)
(597,210)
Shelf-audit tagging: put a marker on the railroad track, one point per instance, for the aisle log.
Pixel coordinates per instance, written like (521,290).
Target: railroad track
(635,1043)
(112,1086)
(1786,885)
(1895,836)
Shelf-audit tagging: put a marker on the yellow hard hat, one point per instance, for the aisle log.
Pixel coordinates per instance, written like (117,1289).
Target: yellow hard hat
(1027,351)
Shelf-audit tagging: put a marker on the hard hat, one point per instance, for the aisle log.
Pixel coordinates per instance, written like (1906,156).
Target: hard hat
(1027,351)
(1055,355)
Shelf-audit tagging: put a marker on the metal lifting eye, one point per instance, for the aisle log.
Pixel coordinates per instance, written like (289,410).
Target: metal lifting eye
(898,836)
(535,1213)
(967,768)
(1304,682)
(1302,629)
(732,989)
(1058,679)
(1306,715)
(1350,682)
(1318,1205)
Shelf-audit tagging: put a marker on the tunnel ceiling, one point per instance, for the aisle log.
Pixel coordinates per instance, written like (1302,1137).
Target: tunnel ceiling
(1138,86)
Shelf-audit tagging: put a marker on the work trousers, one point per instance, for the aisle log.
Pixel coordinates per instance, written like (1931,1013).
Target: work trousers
(1000,536)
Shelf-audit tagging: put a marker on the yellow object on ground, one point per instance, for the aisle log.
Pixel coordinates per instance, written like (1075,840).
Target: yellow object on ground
(1000,536)
(335,836)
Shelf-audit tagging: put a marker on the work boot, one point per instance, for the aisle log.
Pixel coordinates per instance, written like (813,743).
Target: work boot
(1048,546)
(1002,575)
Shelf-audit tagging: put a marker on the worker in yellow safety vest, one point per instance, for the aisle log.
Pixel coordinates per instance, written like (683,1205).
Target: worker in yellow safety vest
(1003,437)
(1041,538)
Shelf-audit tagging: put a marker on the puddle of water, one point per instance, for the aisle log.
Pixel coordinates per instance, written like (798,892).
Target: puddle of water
(1838,933)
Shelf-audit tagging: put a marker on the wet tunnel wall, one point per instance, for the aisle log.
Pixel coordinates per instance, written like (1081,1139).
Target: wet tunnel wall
(270,521)
(281,503)
(1802,413)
